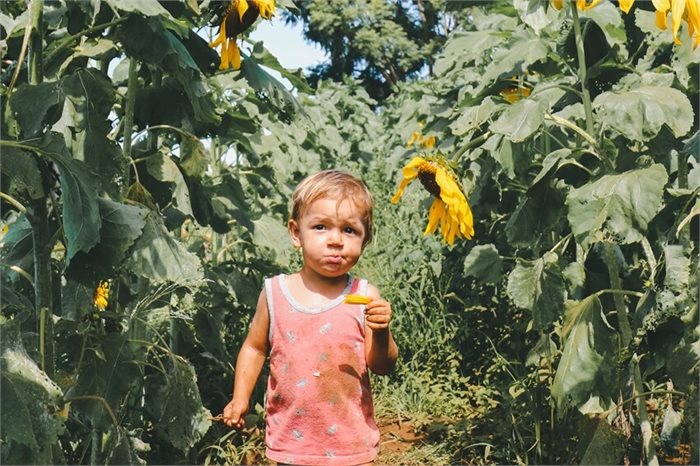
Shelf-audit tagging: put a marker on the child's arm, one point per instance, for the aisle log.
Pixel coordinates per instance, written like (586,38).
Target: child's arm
(250,361)
(381,351)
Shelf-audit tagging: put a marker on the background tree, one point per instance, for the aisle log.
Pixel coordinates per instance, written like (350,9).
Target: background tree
(379,42)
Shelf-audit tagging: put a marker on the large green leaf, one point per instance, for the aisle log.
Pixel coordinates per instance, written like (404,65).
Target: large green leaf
(639,114)
(524,51)
(538,287)
(160,257)
(472,118)
(463,48)
(588,358)
(144,7)
(85,122)
(520,120)
(538,14)
(619,206)
(174,402)
(122,224)
(530,221)
(484,263)
(30,403)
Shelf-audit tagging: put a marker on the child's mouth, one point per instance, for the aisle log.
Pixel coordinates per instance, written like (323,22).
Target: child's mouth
(334,259)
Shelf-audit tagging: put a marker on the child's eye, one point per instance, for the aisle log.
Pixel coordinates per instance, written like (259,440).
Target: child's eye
(350,231)
(319,227)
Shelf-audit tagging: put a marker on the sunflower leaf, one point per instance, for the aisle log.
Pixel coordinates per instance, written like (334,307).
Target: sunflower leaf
(620,206)
(587,362)
(539,288)
(639,114)
(520,120)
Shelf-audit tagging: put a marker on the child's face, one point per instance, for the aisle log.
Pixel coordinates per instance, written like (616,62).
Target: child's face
(330,234)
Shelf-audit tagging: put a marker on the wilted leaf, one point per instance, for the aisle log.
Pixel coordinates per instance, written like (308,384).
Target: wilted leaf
(193,156)
(638,114)
(174,402)
(587,363)
(484,263)
(30,401)
(621,205)
(540,288)
(109,372)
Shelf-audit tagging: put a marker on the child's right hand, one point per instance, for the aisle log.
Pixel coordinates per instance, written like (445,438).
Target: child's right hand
(234,414)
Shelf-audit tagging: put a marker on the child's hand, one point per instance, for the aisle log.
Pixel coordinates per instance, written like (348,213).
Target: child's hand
(234,414)
(378,314)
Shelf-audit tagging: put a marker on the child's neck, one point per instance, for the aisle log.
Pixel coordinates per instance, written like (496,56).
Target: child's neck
(312,289)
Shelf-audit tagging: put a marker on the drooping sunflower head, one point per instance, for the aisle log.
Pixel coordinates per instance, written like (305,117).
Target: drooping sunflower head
(101,295)
(234,18)
(450,209)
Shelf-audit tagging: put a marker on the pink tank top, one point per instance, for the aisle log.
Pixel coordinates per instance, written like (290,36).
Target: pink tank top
(319,403)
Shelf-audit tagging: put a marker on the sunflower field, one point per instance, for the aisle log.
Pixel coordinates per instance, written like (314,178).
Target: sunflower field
(535,166)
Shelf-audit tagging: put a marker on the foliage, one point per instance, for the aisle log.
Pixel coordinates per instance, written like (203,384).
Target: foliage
(552,335)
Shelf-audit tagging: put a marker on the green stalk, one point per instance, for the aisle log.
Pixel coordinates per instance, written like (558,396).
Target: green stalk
(129,116)
(586,96)
(38,211)
(616,283)
(648,447)
(626,331)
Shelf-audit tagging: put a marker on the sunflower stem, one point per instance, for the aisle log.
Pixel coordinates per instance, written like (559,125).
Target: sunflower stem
(129,115)
(586,96)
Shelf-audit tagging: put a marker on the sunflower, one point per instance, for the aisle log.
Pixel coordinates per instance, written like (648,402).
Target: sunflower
(101,295)
(688,10)
(450,207)
(238,16)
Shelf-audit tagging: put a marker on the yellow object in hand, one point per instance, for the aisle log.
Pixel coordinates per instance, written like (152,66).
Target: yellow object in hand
(357,299)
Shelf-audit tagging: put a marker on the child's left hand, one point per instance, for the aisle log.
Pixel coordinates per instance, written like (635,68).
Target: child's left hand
(378,314)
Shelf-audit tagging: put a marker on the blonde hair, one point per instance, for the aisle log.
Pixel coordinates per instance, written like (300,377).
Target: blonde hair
(338,184)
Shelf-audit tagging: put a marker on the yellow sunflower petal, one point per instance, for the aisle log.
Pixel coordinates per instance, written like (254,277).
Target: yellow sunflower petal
(357,299)
(221,37)
(662,7)
(693,18)
(677,10)
(234,54)
(410,172)
(241,7)
(626,5)
(436,212)
(266,8)
(558,4)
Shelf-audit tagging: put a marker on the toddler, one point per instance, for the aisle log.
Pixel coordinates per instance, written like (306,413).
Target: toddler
(319,406)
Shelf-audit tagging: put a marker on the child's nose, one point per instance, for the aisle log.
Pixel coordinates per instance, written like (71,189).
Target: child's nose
(335,237)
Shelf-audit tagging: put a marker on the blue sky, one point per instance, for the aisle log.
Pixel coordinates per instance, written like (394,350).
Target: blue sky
(287,43)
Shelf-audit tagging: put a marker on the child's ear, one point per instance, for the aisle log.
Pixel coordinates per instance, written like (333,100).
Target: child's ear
(293,228)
